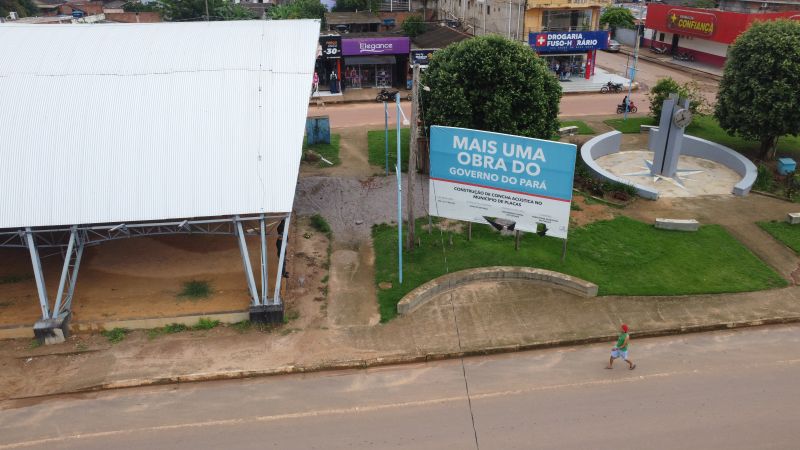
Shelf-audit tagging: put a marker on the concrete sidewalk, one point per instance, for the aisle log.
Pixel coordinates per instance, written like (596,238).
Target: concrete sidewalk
(476,319)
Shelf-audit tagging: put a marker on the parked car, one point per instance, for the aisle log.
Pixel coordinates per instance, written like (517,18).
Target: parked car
(613,46)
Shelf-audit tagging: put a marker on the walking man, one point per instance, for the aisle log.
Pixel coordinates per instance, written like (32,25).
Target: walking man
(621,349)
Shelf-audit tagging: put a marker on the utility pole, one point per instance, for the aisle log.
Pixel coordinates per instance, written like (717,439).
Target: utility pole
(412,157)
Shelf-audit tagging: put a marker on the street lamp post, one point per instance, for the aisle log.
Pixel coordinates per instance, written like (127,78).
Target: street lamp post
(399,195)
(632,73)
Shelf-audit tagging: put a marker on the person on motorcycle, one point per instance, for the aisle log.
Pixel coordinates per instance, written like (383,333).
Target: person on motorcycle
(626,104)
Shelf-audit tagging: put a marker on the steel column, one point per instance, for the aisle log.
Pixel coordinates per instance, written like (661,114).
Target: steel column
(65,271)
(73,279)
(264,262)
(279,276)
(248,269)
(37,273)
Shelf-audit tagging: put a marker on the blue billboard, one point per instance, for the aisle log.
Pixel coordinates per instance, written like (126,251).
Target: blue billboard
(481,176)
(568,41)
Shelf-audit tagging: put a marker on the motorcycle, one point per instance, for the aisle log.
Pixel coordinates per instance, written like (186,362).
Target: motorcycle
(683,56)
(386,96)
(659,50)
(611,87)
(631,108)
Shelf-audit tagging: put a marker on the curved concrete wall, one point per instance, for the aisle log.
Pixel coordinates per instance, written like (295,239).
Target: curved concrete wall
(422,294)
(608,143)
(701,148)
(603,145)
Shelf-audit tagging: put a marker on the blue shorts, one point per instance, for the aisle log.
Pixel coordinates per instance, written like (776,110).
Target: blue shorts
(617,353)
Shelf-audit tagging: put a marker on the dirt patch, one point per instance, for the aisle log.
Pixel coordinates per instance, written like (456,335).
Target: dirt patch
(143,277)
(454,226)
(590,211)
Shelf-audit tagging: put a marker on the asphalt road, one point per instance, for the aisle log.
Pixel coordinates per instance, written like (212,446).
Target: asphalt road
(573,105)
(732,389)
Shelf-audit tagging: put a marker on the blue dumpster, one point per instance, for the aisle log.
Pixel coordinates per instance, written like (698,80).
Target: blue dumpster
(786,166)
(318,130)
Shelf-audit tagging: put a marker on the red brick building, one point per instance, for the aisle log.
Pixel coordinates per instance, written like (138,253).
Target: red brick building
(704,33)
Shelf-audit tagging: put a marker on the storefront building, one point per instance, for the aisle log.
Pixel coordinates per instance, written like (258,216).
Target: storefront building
(705,34)
(375,62)
(569,54)
(329,63)
(549,25)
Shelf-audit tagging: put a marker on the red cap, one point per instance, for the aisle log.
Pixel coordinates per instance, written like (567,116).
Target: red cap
(624,328)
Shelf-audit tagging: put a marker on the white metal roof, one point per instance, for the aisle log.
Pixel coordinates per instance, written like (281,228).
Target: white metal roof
(124,122)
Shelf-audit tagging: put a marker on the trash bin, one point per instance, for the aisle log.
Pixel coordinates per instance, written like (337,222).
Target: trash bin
(786,166)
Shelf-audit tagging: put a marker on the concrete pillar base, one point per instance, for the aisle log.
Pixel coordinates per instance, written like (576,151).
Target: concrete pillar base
(52,331)
(266,314)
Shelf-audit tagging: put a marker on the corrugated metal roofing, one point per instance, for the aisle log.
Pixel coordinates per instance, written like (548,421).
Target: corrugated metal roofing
(124,122)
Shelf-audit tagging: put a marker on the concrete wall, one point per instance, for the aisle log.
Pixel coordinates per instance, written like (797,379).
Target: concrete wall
(603,145)
(429,290)
(701,148)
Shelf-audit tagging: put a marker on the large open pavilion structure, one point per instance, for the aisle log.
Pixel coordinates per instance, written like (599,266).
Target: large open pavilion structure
(116,131)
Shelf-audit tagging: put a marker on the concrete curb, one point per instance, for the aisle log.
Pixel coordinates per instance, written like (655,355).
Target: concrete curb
(409,359)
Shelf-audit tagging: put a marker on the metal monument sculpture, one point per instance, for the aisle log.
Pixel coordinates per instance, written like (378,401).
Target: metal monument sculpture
(666,142)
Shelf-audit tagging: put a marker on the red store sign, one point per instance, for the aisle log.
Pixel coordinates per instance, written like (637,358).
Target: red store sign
(683,21)
(719,26)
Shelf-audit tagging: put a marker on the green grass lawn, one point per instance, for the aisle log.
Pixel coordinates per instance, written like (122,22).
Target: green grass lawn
(706,127)
(631,125)
(622,256)
(583,128)
(376,145)
(784,232)
(327,151)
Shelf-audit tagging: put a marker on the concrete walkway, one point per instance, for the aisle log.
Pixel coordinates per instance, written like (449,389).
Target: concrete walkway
(477,319)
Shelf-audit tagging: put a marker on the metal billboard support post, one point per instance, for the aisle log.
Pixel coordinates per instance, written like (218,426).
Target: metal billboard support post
(75,246)
(276,299)
(386,133)
(248,269)
(564,252)
(398,169)
(264,262)
(37,274)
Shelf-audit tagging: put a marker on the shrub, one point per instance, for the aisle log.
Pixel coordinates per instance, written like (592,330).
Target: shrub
(205,324)
(320,224)
(116,335)
(765,181)
(196,289)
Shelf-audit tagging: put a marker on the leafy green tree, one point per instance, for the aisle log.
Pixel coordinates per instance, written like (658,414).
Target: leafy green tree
(141,7)
(23,8)
(300,9)
(666,86)
(195,10)
(494,84)
(702,4)
(413,26)
(356,5)
(617,17)
(759,94)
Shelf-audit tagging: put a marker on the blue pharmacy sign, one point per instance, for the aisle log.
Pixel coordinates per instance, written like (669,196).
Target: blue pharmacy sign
(480,176)
(568,41)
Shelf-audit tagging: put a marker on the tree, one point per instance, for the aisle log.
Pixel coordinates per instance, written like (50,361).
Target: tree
(300,9)
(356,5)
(494,84)
(195,10)
(707,4)
(413,26)
(617,17)
(666,86)
(23,8)
(141,7)
(759,94)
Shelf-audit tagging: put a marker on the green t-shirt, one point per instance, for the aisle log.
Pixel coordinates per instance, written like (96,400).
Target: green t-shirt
(621,341)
